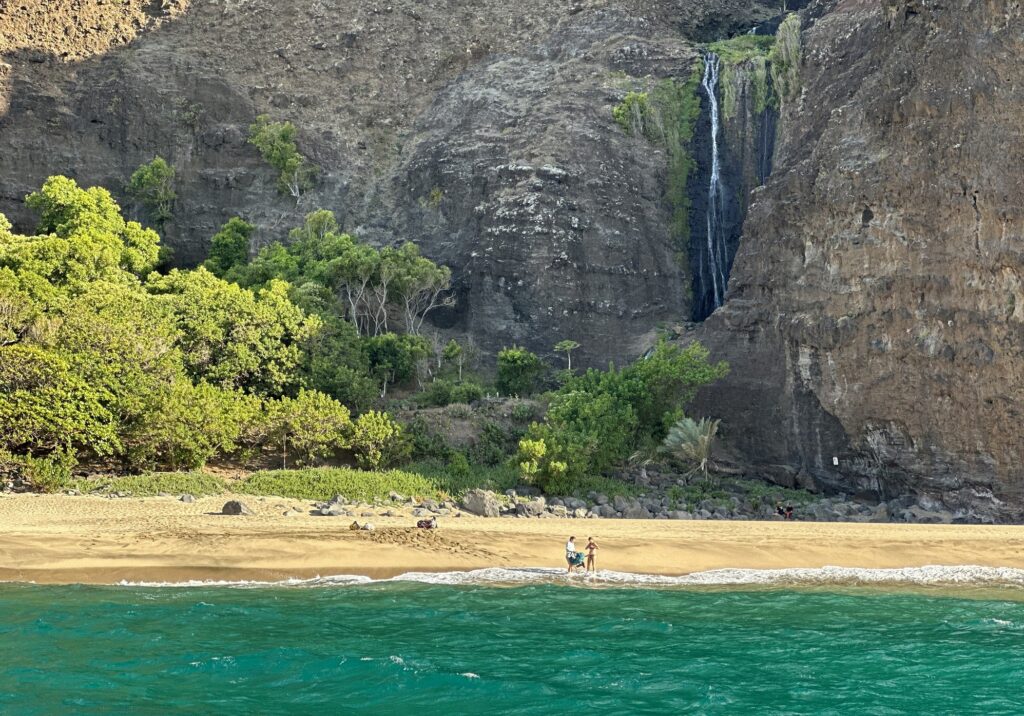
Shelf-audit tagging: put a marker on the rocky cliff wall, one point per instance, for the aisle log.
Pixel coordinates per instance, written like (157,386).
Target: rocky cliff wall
(875,322)
(482,131)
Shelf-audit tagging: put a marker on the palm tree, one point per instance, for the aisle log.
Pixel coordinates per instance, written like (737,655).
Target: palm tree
(691,441)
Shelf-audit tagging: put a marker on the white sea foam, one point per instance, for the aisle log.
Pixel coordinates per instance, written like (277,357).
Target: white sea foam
(933,575)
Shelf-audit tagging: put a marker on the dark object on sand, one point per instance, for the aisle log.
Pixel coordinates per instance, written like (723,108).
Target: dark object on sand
(430,524)
(234,507)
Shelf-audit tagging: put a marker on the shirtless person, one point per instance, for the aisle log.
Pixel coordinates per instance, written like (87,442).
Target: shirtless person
(591,548)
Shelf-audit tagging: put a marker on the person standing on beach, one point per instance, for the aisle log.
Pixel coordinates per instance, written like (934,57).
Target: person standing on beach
(570,553)
(591,548)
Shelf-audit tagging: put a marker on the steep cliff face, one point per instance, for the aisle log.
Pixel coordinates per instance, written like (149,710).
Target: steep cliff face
(875,313)
(482,131)
(875,322)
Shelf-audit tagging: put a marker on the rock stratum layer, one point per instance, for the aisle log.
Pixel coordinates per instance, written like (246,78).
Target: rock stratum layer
(875,310)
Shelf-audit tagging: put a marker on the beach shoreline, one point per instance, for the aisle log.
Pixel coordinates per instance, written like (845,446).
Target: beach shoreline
(61,539)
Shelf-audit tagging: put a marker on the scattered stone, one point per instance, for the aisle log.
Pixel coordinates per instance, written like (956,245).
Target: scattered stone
(234,507)
(581,512)
(395,497)
(636,512)
(482,503)
(368,527)
(366,514)
(532,508)
(679,515)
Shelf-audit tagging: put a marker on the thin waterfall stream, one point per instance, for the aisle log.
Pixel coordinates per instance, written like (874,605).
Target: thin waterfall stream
(716,257)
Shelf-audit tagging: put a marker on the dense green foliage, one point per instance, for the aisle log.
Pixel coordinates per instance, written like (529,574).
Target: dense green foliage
(229,247)
(371,303)
(276,144)
(99,360)
(597,419)
(518,371)
(152,185)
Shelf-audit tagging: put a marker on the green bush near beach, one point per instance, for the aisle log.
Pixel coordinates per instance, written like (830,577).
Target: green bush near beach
(325,483)
(153,483)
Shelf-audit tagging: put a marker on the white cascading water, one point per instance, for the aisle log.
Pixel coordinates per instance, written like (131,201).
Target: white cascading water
(716,249)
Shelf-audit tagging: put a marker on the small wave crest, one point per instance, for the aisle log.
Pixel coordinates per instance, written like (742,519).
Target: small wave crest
(932,575)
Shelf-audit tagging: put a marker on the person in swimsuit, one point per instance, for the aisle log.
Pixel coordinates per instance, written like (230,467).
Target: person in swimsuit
(570,553)
(591,548)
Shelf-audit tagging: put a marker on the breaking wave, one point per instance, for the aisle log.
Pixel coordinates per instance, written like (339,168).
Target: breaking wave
(933,575)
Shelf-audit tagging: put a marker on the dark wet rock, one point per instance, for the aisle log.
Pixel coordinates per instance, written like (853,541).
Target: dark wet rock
(235,507)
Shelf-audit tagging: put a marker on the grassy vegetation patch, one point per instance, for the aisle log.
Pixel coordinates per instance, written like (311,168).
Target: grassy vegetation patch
(152,483)
(325,483)
(455,477)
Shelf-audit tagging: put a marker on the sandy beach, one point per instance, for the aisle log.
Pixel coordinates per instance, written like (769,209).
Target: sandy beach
(96,540)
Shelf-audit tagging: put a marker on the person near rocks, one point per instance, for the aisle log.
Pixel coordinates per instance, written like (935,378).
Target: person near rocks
(789,512)
(591,549)
(780,510)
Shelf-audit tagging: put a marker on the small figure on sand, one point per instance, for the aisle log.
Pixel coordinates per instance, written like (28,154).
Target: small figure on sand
(591,549)
(785,513)
(573,559)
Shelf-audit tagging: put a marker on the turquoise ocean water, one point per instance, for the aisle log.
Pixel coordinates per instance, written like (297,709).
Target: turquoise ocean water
(531,648)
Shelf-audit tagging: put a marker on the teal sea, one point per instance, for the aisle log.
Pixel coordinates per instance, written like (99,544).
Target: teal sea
(530,648)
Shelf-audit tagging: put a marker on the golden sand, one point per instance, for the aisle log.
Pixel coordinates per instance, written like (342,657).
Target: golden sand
(63,539)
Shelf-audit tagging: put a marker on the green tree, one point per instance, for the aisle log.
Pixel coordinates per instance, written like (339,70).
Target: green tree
(233,337)
(377,440)
(518,371)
(276,144)
(567,347)
(692,442)
(596,420)
(45,407)
(186,425)
(453,353)
(229,247)
(81,237)
(152,185)
(335,362)
(312,425)
(393,358)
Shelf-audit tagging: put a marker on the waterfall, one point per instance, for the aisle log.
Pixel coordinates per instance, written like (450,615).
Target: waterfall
(716,256)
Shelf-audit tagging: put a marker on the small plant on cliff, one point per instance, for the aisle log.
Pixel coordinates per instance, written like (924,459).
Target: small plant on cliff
(632,113)
(784,59)
(152,185)
(276,143)
(567,347)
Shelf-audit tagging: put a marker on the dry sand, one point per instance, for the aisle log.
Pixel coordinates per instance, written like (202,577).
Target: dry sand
(62,539)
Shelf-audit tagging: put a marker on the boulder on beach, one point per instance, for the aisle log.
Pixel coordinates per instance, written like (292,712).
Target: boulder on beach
(531,508)
(482,503)
(234,507)
(187,498)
